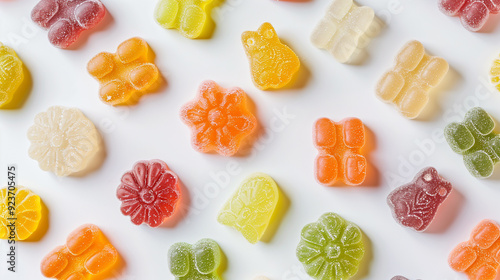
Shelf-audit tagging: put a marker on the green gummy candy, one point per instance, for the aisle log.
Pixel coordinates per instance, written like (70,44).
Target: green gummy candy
(195,262)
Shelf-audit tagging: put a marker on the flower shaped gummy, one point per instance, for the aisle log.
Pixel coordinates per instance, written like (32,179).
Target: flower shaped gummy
(67,19)
(11,74)
(195,262)
(473,13)
(149,193)
(331,248)
(250,209)
(219,119)
(63,140)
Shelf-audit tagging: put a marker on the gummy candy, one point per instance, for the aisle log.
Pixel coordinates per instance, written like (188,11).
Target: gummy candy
(475,140)
(187,16)
(407,85)
(149,193)
(272,63)
(11,74)
(339,145)
(86,255)
(399,278)
(66,20)
(27,213)
(478,257)
(250,209)
(124,73)
(219,119)
(198,261)
(415,204)
(472,13)
(341,27)
(331,248)
(495,73)
(63,140)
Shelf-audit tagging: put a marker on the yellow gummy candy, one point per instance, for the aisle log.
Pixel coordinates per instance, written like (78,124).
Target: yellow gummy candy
(11,74)
(250,209)
(188,16)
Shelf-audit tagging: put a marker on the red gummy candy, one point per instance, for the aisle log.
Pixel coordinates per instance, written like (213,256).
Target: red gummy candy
(67,19)
(473,13)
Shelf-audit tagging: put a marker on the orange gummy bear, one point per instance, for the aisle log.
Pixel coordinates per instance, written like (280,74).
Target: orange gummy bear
(219,119)
(124,73)
(339,145)
(86,254)
(479,257)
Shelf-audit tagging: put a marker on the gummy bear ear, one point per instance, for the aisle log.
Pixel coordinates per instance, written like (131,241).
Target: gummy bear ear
(82,238)
(248,39)
(207,256)
(481,120)
(179,259)
(132,49)
(267,30)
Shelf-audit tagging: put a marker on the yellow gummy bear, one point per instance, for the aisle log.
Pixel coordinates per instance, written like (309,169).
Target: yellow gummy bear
(26,212)
(187,16)
(250,209)
(11,74)
(272,63)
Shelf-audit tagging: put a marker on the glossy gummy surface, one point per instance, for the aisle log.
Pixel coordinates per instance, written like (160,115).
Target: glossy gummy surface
(11,74)
(198,261)
(472,13)
(188,16)
(495,73)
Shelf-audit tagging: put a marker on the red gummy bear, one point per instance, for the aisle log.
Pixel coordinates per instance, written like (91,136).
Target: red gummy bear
(67,19)
(473,13)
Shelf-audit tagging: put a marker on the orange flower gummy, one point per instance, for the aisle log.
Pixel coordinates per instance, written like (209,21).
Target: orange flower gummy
(124,73)
(219,119)
(479,257)
(86,254)
(339,145)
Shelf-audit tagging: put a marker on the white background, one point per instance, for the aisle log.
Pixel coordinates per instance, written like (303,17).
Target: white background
(152,129)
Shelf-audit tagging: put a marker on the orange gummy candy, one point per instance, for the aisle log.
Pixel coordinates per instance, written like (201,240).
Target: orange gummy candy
(124,73)
(339,145)
(479,257)
(86,254)
(219,119)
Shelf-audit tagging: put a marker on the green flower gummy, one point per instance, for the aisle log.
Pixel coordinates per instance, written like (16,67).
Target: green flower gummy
(475,140)
(331,248)
(195,262)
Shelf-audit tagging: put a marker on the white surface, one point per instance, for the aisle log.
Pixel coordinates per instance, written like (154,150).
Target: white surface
(152,129)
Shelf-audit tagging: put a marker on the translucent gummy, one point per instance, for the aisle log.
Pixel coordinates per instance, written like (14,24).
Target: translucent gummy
(11,74)
(473,13)
(27,213)
(198,261)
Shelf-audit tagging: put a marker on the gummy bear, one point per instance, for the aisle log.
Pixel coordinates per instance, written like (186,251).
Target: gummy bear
(475,140)
(67,19)
(187,16)
(11,74)
(251,207)
(86,255)
(495,73)
(478,257)
(272,63)
(407,85)
(472,13)
(27,213)
(219,119)
(63,140)
(415,204)
(339,145)
(149,193)
(331,248)
(124,73)
(341,27)
(198,261)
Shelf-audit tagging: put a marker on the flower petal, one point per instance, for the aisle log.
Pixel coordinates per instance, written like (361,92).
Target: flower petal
(352,235)
(355,251)
(129,207)
(350,268)
(168,181)
(155,218)
(316,266)
(242,123)
(166,208)
(125,193)
(139,215)
(140,173)
(226,144)
(37,133)
(211,92)
(203,138)
(233,97)
(306,253)
(68,118)
(194,113)
(155,171)
(312,233)
(129,180)
(332,224)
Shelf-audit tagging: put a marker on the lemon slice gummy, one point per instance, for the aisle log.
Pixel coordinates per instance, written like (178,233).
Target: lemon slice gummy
(25,214)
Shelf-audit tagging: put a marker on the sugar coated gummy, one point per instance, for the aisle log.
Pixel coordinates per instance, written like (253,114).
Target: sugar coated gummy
(339,145)
(473,13)
(188,16)
(86,255)
(251,207)
(63,140)
(415,204)
(341,27)
(149,193)
(495,73)
(11,74)
(478,257)
(408,83)
(27,213)
(198,261)
(124,73)
(66,20)
(475,140)
(272,64)
(219,119)
(331,248)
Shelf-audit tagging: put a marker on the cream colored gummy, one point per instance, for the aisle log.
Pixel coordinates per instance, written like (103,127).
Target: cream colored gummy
(341,27)
(63,140)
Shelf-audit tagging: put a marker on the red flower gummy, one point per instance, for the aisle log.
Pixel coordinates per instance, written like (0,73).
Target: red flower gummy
(473,13)
(149,193)
(478,257)
(67,19)
(219,119)
(415,204)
